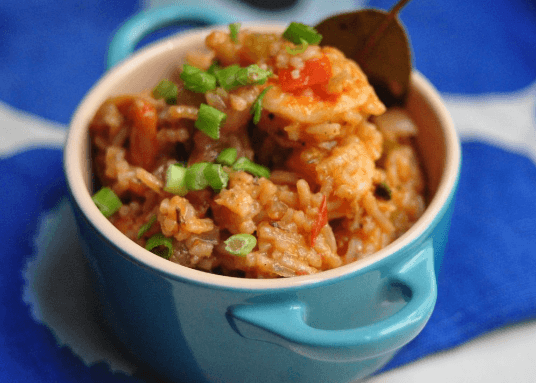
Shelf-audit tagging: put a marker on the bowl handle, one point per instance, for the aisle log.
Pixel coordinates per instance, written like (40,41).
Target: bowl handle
(283,323)
(136,28)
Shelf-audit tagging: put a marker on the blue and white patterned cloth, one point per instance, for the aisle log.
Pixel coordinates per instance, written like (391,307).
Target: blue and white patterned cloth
(481,55)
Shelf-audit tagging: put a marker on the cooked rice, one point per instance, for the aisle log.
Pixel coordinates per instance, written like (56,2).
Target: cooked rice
(334,148)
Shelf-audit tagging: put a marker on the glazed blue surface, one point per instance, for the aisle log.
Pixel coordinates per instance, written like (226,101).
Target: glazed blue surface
(157,317)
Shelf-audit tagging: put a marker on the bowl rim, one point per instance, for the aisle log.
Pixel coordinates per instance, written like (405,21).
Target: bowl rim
(74,167)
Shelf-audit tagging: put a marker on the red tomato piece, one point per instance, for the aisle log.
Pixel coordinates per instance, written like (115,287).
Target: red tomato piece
(314,72)
(321,220)
(143,142)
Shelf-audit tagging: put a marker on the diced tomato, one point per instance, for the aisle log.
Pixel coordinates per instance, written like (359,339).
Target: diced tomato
(143,143)
(314,72)
(321,220)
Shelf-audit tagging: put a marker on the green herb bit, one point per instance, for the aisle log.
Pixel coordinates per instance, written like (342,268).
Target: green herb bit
(233,29)
(256,108)
(167,90)
(383,191)
(107,201)
(195,177)
(299,49)
(156,241)
(209,121)
(234,76)
(247,165)
(145,228)
(213,68)
(196,80)
(227,157)
(240,244)
(175,180)
(295,32)
(216,177)
(252,74)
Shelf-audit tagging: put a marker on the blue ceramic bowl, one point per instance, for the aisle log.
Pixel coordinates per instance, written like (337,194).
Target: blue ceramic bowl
(336,326)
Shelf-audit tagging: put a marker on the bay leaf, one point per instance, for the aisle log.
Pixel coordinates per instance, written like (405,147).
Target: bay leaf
(377,41)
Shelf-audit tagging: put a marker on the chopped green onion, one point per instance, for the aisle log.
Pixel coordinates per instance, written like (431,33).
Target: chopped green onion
(175,180)
(297,31)
(227,76)
(227,156)
(234,28)
(299,49)
(240,244)
(167,90)
(195,177)
(196,80)
(257,105)
(234,76)
(146,226)
(216,177)
(213,68)
(252,74)
(107,201)
(158,240)
(251,167)
(209,120)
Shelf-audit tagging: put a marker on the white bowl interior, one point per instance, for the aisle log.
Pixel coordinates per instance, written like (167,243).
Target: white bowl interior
(438,145)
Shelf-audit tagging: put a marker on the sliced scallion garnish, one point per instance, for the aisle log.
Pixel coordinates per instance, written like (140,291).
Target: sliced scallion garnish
(249,166)
(216,177)
(107,201)
(196,80)
(240,244)
(167,90)
(175,182)
(299,49)
(227,157)
(256,108)
(209,121)
(145,228)
(233,29)
(234,76)
(213,68)
(195,177)
(156,241)
(297,31)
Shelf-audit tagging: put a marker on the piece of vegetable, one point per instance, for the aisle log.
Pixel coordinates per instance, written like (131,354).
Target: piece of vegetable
(213,68)
(216,177)
(249,166)
(175,180)
(107,201)
(256,108)
(154,244)
(234,76)
(197,80)
(297,31)
(377,41)
(321,220)
(143,148)
(299,49)
(383,191)
(314,72)
(227,157)
(240,244)
(209,121)
(145,228)
(234,28)
(167,90)
(195,177)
